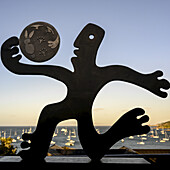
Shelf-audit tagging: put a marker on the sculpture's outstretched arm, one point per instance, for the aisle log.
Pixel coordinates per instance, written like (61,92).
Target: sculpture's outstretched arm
(9,49)
(146,81)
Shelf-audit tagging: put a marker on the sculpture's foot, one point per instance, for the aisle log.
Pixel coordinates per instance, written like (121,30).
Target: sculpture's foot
(36,150)
(29,156)
(129,124)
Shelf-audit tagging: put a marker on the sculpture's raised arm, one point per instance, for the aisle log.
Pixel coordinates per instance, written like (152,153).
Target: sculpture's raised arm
(146,81)
(9,48)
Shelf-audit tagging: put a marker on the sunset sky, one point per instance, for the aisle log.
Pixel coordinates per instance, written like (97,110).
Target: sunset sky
(137,35)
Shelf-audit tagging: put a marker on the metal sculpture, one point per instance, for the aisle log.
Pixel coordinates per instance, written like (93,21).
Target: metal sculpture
(83,85)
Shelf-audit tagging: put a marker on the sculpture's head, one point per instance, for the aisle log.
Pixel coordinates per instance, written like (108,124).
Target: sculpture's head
(89,38)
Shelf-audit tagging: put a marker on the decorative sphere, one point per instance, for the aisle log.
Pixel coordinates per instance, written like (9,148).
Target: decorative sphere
(39,41)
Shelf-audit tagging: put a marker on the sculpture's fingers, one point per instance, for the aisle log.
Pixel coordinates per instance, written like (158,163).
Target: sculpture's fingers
(25,145)
(135,112)
(13,41)
(14,50)
(143,119)
(158,73)
(144,130)
(165,84)
(162,94)
(27,136)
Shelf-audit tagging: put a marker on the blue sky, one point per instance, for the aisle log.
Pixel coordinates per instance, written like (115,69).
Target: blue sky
(137,36)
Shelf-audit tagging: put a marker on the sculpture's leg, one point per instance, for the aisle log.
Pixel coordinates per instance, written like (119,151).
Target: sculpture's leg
(88,136)
(50,116)
(96,145)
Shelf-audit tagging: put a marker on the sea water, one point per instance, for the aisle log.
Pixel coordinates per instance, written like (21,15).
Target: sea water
(68,136)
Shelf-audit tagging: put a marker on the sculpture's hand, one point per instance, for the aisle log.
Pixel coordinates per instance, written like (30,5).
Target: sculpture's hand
(155,85)
(146,81)
(9,49)
(12,63)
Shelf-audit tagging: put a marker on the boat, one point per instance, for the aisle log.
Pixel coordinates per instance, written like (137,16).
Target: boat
(64,130)
(166,138)
(4,135)
(52,143)
(21,140)
(10,133)
(30,130)
(152,133)
(131,137)
(22,131)
(70,143)
(162,131)
(98,131)
(156,135)
(54,134)
(69,135)
(141,143)
(14,140)
(15,133)
(73,134)
(143,135)
(162,141)
(18,137)
(143,138)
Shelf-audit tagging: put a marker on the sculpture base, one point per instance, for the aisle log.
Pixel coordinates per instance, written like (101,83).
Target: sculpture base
(74,162)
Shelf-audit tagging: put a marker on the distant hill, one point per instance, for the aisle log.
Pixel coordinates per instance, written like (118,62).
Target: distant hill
(164,124)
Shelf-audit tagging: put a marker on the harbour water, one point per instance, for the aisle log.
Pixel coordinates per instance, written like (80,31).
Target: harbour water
(67,136)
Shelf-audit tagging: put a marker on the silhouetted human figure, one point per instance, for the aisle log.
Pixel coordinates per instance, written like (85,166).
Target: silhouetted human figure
(83,85)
